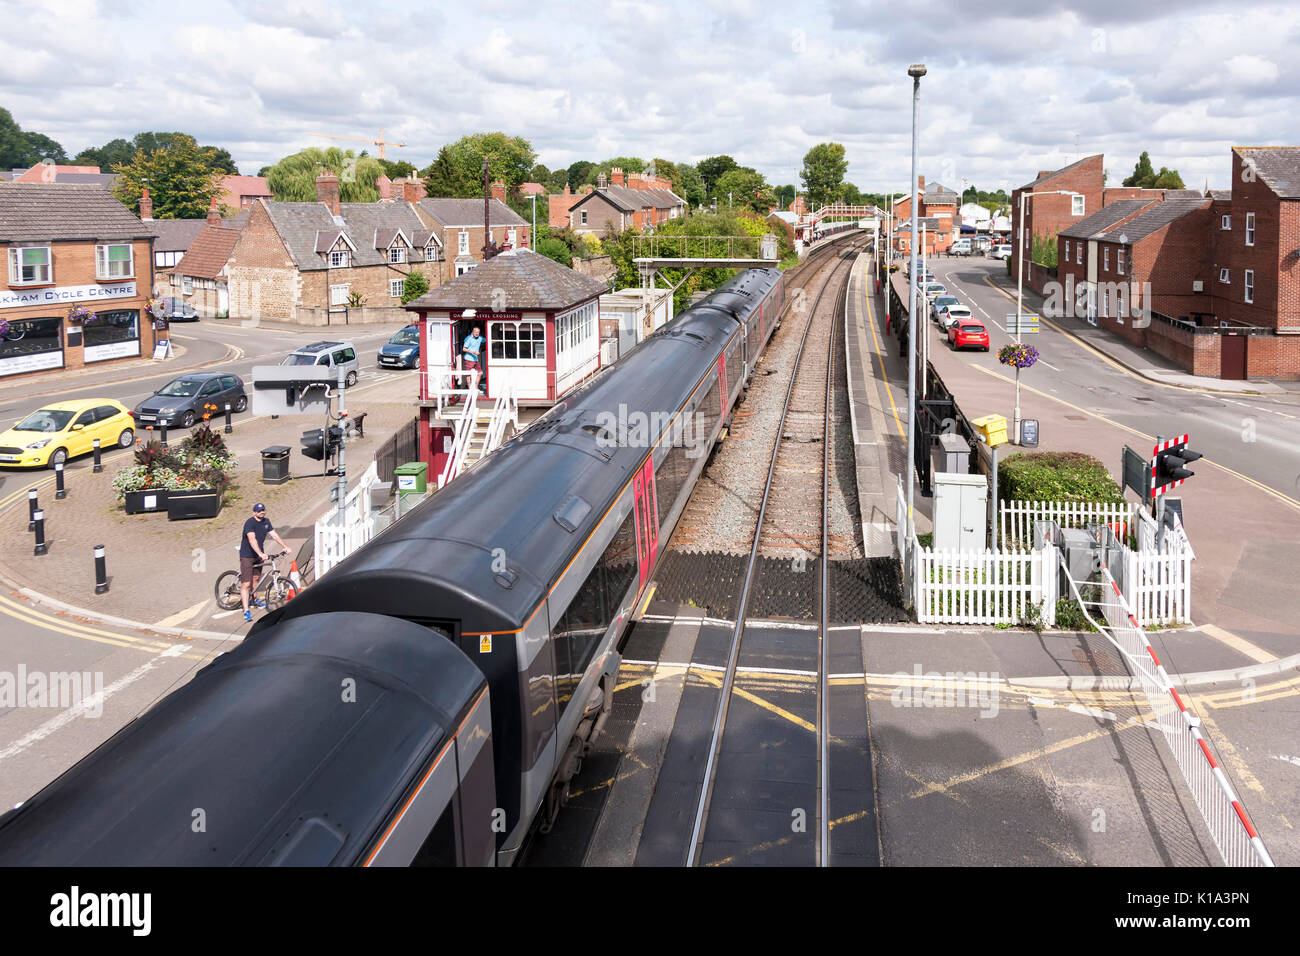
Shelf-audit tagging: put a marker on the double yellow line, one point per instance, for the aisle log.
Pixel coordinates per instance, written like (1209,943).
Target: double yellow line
(40,619)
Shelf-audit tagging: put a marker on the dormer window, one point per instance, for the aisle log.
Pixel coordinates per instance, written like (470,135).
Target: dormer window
(431,254)
(339,259)
(397,254)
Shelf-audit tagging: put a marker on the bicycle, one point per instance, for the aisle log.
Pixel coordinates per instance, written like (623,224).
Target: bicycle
(274,584)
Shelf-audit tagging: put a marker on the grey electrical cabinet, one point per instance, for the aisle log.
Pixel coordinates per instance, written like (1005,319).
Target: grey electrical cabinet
(951,454)
(960,512)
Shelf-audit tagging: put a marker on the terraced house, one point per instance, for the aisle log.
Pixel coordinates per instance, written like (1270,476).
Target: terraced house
(315,262)
(65,247)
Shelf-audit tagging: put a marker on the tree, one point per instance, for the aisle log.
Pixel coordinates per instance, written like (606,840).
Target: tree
(747,188)
(823,172)
(457,170)
(711,169)
(785,195)
(1143,174)
(553,248)
(556,182)
(1168,179)
(580,174)
(692,185)
(18,148)
(397,169)
(293,179)
(539,174)
(179,178)
(416,285)
(107,156)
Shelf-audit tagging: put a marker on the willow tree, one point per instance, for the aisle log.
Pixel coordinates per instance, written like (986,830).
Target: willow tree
(293,179)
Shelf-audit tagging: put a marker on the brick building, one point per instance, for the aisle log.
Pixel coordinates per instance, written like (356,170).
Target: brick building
(936,211)
(202,276)
(635,202)
(558,206)
(1046,215)
(457,226)
(240,192)
(292,256)
(71,246)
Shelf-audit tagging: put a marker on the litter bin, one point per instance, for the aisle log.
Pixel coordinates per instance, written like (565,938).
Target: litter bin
(992,427)
(275,465)
(411,478)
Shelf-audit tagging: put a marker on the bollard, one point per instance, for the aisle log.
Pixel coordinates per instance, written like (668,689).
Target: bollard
(40,533)
(101,571)
(59,491)
(229,429)
(98,467)
(163,426)
(31,509)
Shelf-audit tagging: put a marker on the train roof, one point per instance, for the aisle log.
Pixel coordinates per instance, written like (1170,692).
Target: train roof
(264,748)
(498,523)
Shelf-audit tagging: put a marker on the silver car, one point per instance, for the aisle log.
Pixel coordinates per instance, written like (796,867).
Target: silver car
(332,355)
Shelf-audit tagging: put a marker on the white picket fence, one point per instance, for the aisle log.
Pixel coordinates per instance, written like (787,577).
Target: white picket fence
(1159,584)
(1016,518)
(983,587)
(337,538)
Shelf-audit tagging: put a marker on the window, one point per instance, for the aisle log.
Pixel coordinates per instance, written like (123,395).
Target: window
(1119,260)
(211,387)
(30,265)
(104,412)
(1067,250)
(462,244)
(464,267)
(1250,228)
(1225,222)
(512,238)
(1105,258)
(339,294)
(85,418)
(28,338)
(584,217)
(187,285)
(518,340)
(228,382)
(397,254)
(1250,283)
(395,287)
(1076,205)
(1225,276)
(1078,253)
(338,259)
(112,327)
(165,260)
(114,261)
(431,254)
(1105,302)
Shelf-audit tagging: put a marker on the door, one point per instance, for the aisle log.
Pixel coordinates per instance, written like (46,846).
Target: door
(79,438)
(1232,357)
(647,520)
(109,425)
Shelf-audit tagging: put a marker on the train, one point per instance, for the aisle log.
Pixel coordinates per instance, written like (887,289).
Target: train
(429,700)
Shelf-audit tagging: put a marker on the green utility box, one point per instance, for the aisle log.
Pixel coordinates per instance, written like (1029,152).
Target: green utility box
(411,478)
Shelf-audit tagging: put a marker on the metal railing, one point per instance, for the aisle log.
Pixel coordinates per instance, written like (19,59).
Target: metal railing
(402,447)
(697,247)
(1230,827)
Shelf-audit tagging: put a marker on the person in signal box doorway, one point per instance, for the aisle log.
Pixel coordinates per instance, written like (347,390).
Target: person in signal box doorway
(471,355)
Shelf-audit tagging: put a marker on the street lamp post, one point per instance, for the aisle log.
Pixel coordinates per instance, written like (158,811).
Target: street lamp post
(532,236)
(1020,283)
(915,71)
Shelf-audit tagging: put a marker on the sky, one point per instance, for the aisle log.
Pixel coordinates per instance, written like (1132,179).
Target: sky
(1013,87)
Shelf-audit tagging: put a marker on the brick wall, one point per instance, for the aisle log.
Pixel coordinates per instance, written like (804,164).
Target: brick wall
(1047,215)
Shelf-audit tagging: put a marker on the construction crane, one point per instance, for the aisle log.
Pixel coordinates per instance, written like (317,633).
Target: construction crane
(360,139)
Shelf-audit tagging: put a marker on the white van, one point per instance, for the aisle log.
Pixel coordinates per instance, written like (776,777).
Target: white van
(961,247)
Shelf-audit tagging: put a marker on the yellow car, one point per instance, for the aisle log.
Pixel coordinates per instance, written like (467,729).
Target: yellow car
(62,430)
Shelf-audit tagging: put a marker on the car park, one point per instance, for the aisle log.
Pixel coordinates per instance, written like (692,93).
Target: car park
(968,334)
(402,350)
(178,310)
(332,355)
(56,432)
(180,403)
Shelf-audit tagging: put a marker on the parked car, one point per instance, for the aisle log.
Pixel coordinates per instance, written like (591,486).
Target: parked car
(953,313)
(939,303)
(179,403)
(968,333)
(961,247)
(1000,252)
(330,355)
(934,289)
(56,432)
(178,310)
(402,350)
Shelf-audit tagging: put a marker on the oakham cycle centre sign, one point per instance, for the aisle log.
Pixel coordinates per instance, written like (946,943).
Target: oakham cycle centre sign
(66,295)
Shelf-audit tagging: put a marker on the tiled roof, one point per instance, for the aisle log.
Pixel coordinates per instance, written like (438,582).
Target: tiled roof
(1051,173)
(422,238)
(529,281)
(246,186)
(784,215)
(176,235)
(106,180)
(634,200)
(208,254)
(1105,217)
(1157,217)
(936,194)
(50,172)
(1278,166)
(1221,195)
(303,226)
(469,212)
(531,189)
(62,211)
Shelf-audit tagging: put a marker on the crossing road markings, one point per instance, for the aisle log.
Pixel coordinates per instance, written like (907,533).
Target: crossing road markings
(31,616)
(1285,499)
(182,616)
(1253,651)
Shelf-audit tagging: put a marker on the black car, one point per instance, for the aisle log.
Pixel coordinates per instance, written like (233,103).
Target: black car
(178,310)
(180,402)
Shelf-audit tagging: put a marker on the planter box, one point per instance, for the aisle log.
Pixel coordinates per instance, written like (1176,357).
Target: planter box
(142,502)
(199,503)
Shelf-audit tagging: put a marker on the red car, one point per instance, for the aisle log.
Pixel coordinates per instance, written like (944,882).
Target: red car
(968,333)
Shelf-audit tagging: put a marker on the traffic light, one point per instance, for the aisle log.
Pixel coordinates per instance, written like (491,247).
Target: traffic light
(1169,463)
(314,442)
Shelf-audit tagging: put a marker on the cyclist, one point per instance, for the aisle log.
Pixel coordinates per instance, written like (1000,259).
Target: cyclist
(251,544)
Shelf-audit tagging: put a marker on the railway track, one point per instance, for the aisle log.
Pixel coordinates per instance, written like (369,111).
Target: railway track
(766,789)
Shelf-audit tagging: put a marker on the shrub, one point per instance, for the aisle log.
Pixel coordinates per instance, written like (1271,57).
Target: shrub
(1055,476)
(555,249)
(416,285)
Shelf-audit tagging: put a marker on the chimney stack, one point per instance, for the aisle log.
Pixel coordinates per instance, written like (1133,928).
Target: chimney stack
(214,214)
(499,191)
(566,190)
(412,190)
(146,206)
(616,176)
(327,191)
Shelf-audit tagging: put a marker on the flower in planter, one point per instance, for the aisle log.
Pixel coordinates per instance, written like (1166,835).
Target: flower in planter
(4,327)
(1018,354)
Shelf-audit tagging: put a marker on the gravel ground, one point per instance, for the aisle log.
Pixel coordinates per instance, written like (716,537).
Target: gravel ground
(723,509)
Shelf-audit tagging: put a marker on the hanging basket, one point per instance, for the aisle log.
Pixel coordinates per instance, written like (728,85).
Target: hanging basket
(1018,354)
(80,315)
